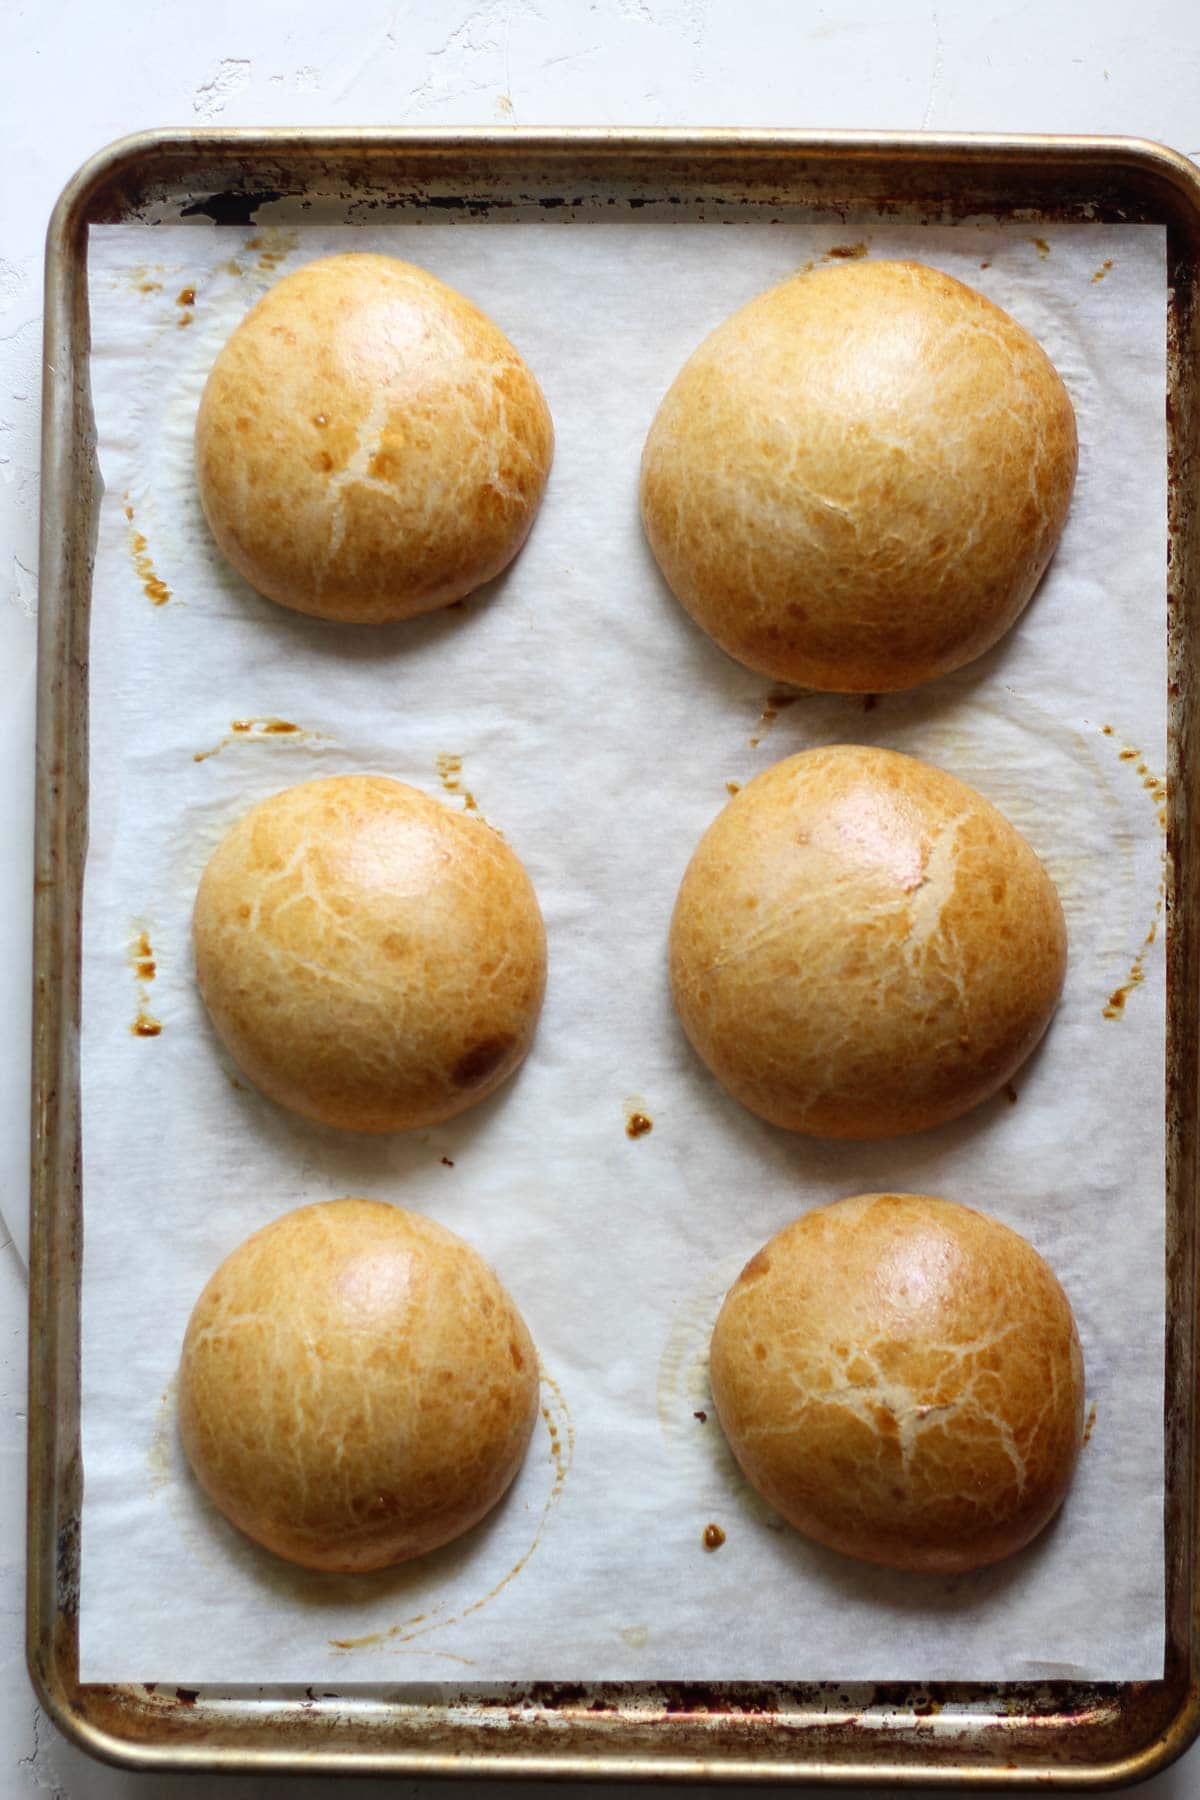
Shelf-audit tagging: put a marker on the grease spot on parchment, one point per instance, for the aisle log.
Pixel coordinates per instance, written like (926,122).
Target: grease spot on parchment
(242,730)
(560,1436)
(155,590)
(1156,787)
(449,768)
(775,703)
(158,1456)
(274,245)
(683,1393)
(139,954)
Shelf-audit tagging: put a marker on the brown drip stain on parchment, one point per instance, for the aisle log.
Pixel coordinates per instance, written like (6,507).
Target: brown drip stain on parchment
(1102,271)
(1156,787)
(1115,1004)
(1041,246)
(186,301)
(270,727)
(773,705)
(143,278)
(847,252)
(449,768)
(274,244)
(140,957)
(637,1124)
(154,589)
(713,1537)
(1091,1423)
(560,1431)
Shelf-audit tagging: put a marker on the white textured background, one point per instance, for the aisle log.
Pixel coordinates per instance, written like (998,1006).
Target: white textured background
(77,73)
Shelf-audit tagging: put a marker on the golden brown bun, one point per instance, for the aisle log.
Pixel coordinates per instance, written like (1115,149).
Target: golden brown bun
(370,958)
(356,1386)
(901,1378)
(856,482)
(864,946)
(369,445)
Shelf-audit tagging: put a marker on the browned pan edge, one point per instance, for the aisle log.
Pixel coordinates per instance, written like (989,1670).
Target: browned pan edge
(1065,1734)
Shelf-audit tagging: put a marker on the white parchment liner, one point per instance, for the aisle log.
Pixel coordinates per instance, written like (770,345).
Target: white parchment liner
(598,729)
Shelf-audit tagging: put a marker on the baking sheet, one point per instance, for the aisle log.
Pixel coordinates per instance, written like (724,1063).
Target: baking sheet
(598,728)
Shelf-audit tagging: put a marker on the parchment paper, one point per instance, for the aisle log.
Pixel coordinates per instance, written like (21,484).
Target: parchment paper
(598,728)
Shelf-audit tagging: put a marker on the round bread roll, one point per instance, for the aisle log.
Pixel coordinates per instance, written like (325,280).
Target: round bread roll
(369,958)
(863,946)
(369,445)
(356,1386)
(857,480)
(901,1378)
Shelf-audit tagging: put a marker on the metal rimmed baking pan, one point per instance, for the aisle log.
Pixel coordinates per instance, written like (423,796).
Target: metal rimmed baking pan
(1072,1733)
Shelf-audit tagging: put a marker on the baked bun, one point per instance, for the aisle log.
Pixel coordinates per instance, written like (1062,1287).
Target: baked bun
(857,480)
(864,946)
(356,1386)
(369,445)
(369,958)
(901,1378)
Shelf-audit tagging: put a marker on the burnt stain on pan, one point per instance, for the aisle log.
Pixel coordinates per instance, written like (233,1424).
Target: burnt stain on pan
(232,208)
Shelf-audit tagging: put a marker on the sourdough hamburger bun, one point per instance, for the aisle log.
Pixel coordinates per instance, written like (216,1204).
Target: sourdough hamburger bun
(857,480)
(369,445)
(356,1386)
(369,958)
(864,946)
(901,1378)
